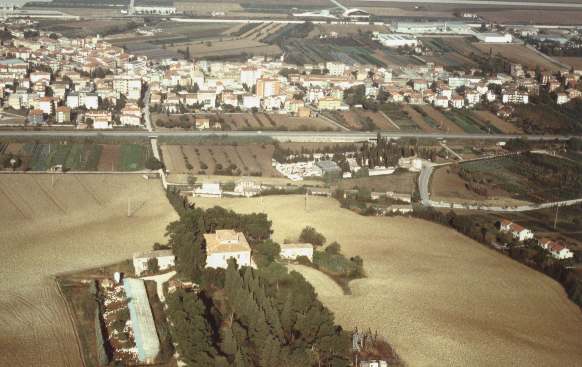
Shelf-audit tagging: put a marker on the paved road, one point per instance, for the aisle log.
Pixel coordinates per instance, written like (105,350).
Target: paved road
(298,136)
(521,4)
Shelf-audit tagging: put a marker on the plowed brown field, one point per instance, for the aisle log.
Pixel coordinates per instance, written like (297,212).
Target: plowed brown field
(78,223)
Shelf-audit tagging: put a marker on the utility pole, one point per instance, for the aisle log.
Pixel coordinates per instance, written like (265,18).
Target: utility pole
(556,218)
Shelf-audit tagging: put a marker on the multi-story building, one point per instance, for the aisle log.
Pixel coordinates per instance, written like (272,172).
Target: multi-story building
(268,87)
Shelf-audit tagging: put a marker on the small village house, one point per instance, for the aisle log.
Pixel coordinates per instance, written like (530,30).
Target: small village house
(165,259)
(518,232)
(556,249)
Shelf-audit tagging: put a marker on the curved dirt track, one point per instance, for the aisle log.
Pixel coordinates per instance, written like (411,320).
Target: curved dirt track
(440,298)
(77,223)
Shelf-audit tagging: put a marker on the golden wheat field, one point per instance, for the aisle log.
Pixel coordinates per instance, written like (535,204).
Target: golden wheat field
(48,227)
(440,298)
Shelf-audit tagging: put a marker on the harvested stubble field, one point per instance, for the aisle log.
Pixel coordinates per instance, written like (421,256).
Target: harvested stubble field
(251,159)
(80,222)
(440,298)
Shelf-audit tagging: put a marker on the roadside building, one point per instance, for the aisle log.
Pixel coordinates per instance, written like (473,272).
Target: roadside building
(63,114)
(291,251)
(36,117)
(226,244)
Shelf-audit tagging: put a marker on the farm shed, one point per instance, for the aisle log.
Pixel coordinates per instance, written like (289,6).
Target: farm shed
(142,320)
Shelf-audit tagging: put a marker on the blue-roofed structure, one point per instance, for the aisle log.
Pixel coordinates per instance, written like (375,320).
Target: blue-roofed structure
(142,320)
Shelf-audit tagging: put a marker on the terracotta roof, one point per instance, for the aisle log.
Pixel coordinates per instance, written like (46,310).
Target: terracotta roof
(226,240)
(517,228)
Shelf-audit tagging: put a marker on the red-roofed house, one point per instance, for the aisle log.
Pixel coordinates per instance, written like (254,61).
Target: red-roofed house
(555,248)
(517,231)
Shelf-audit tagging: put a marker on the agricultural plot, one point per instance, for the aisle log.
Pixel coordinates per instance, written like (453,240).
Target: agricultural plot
(520,54)
(71,223)
(451,52)
(78,157)
(265,121)
(529,177)
(365,120)
(491,119)
(402,182)
(471,123)
(441,120)
(430,314)
(421,118)
(206,159)
(350,52)
(400,116)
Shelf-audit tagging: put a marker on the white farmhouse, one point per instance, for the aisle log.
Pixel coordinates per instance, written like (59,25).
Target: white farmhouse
(291,251)
(227,244)
(166,260)
(556,249)
(517,231)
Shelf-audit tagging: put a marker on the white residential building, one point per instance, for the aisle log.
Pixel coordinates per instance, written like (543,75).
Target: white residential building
(335,68)
(165,259)
(224,245)
(517,231)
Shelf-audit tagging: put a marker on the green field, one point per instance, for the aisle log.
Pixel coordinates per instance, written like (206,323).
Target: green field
(132,157)
(77,156)
(72,157)
(469,123)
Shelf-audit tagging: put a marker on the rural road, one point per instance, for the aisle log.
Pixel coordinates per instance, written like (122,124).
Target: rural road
(521,4)
(295,136)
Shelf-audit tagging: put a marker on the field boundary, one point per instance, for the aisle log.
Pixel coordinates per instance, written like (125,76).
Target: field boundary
(68,311)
